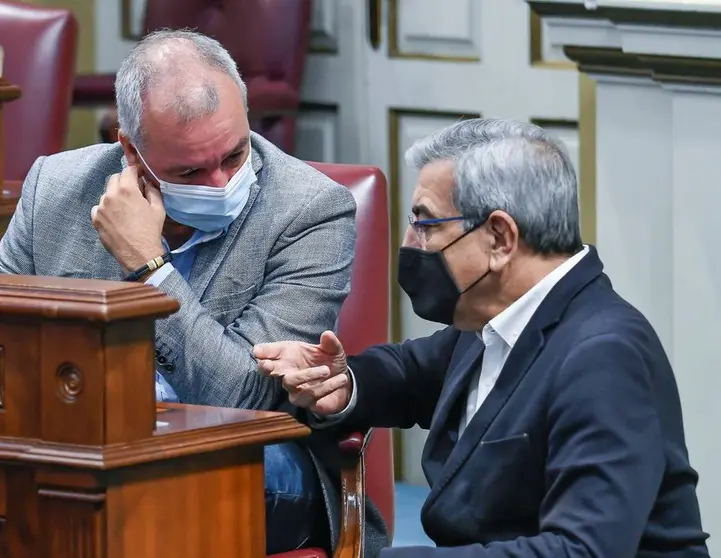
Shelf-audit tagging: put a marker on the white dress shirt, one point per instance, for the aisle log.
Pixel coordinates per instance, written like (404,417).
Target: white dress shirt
(502,332)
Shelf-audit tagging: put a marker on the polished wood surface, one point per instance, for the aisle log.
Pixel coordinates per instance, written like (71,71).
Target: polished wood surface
(89,465)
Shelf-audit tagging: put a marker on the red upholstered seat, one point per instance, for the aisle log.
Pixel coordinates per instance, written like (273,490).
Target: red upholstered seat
(364,322)
(40,46)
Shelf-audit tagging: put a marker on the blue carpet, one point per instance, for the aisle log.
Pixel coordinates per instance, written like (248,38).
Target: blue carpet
(408,529)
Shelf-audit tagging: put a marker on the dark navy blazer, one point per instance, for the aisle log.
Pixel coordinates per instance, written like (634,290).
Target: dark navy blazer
(578,451)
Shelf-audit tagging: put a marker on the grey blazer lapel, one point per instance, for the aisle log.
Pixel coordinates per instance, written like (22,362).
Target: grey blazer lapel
(211,254)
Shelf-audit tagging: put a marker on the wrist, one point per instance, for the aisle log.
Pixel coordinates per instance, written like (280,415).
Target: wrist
(143,257)
(145,271)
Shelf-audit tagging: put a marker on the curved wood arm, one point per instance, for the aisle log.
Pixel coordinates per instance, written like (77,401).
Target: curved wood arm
(352,447)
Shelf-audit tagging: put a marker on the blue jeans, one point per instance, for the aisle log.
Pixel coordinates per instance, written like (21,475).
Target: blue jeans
(294,507)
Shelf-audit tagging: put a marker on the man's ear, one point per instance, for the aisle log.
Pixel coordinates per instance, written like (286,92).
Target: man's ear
(505,237)
(131,154)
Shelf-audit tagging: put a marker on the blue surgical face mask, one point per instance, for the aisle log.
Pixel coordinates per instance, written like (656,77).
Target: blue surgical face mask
(207,208)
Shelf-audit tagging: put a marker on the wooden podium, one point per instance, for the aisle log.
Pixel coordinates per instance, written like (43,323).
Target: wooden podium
(86,471)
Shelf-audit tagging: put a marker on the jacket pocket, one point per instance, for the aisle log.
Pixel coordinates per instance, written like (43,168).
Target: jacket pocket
(507,480)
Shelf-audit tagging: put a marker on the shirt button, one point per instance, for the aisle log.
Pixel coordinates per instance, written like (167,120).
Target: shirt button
(162,360)
(157,353)
(169,367)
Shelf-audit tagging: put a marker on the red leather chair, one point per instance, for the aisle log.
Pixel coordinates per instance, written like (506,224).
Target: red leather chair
(368,463)
(268,40)
(40,46)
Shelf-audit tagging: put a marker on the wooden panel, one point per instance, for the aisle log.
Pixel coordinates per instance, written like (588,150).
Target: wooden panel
(317,137)
(72,381)
(428,29)
(198,506)
(21,415)
(72,523)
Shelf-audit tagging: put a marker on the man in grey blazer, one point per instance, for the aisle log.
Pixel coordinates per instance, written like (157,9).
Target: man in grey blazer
(261,246)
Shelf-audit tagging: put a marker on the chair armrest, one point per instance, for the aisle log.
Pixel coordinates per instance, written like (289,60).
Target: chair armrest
(352,448)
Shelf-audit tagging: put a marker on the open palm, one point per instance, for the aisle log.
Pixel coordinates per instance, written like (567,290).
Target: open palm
(315,376)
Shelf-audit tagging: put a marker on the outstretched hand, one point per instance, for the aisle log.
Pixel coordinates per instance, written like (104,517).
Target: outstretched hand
(315,376)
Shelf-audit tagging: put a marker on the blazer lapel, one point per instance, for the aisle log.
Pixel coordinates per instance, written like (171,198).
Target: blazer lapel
(444,430)
(211,254)
(522,356)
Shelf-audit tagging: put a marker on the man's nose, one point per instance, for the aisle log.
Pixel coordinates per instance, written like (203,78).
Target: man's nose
(218,178)
(410,239)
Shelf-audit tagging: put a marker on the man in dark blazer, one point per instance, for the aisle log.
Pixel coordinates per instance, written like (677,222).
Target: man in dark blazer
(554,417)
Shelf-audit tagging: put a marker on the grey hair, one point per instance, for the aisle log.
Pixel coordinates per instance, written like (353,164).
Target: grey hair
(172,58)
(515,167)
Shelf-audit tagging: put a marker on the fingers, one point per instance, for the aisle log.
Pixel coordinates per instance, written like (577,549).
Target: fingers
(131,174)
(154,198)
(94,211)
(276,368)
(308,395)
(292,382)
(330,344)
(152,194)
(268,350)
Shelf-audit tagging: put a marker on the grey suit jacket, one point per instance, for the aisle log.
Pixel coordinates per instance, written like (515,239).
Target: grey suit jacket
(281,272)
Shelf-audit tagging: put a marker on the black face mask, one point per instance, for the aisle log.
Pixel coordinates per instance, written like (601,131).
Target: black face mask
(426,279)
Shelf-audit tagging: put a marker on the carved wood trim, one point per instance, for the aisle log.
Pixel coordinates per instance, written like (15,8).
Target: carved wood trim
(639,16)
(665,69)
(257,428)
(81,299)
(92,497)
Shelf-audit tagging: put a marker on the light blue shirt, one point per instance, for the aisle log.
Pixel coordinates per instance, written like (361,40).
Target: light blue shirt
(183,259)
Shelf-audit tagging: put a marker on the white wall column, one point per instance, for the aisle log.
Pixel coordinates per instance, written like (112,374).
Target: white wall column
(634,195)
(657,67)
(697,286)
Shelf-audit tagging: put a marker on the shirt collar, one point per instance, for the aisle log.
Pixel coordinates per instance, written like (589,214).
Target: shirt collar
(198,237)
(510,323)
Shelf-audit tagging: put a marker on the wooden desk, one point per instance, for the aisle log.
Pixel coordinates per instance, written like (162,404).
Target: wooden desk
(92,468)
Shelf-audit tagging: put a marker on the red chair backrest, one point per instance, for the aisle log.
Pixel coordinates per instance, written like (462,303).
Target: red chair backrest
(364,319)
(266,38)
(40,46)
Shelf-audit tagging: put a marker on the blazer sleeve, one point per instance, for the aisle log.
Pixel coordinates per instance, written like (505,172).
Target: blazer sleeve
(16,246)
(398,386)
(605,461)
(307,278)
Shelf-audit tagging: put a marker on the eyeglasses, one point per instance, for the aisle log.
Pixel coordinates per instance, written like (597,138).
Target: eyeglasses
(420,226)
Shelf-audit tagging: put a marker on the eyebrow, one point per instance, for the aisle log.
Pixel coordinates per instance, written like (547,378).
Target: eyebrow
(242,144)
(422,209)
